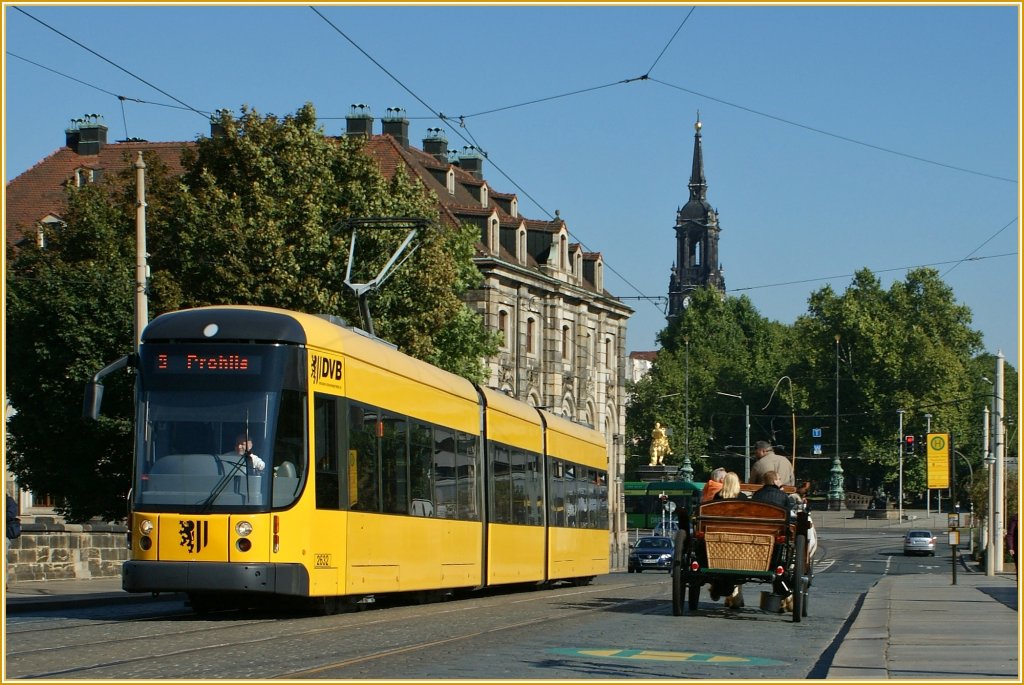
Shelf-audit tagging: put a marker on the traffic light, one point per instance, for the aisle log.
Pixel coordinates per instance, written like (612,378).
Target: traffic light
(909,445)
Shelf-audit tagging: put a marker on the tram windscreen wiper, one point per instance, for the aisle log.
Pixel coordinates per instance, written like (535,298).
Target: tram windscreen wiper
(222,483)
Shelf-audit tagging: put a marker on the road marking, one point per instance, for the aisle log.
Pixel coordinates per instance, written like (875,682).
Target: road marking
(657,655)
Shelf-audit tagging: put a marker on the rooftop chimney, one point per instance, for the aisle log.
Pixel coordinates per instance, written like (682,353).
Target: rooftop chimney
(472,160)
(397,125)
(87,135)
(436,144)
(217,128)
(359,121)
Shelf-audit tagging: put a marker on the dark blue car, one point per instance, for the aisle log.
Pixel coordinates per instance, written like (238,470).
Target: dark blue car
(652,552)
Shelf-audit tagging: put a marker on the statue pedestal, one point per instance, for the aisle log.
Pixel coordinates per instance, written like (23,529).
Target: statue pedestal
(655,473)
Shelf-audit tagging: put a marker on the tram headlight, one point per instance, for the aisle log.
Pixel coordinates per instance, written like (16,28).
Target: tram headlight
(145,526)
(243,528)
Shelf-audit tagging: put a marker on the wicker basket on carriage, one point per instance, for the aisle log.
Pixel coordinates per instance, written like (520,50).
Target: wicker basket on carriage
(739,551)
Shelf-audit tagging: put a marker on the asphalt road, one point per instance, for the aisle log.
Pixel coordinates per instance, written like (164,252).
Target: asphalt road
(619,627)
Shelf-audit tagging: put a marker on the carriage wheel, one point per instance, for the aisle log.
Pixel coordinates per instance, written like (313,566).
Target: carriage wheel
(799,569)
(678,589)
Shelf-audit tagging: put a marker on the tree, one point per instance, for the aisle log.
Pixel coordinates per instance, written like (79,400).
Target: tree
(718,344)
(60,331)
(262,219)
(258,217)
(906,348)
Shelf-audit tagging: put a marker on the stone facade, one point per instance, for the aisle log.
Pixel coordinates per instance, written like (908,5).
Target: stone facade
(51,550)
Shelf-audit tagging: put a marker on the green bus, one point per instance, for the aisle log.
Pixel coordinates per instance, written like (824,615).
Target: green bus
(644,504)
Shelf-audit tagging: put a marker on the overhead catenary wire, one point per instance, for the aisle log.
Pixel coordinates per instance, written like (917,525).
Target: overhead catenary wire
(471,140)
(111,63)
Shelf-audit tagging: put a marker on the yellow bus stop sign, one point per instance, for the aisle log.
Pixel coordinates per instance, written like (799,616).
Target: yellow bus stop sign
(938,460)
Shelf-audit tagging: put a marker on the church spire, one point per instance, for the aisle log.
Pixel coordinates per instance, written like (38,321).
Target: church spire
(697,232)
(698,186)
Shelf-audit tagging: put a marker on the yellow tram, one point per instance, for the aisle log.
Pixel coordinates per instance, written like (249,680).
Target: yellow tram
(281,454)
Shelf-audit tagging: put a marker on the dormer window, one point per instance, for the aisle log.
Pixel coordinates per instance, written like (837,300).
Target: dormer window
(494,236)
(451,181)
(563,252)
(483,196)
(83,176)
(578,266)
(599,276)
(521,245)
(514,209)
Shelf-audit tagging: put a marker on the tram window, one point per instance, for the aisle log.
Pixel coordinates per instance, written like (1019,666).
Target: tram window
(582,497)
(289,463)
(501,497)
(362,444)
(326,451)
(569,494)
(445,476)
(420,442)
(394,464)
(520,502)
(556,494)
(467,462)
(534,490)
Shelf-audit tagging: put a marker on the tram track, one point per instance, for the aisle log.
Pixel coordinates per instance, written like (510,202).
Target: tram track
(163,649)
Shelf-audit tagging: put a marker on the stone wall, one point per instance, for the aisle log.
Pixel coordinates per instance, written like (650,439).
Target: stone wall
(51,550)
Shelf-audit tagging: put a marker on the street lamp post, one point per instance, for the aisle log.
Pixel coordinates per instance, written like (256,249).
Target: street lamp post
(899,447)
(746,434)
(792,411)
(927,490)
(835,480)
(687,466)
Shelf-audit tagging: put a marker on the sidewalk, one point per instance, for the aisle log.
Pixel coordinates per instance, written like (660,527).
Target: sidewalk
(909,626)
(42,595)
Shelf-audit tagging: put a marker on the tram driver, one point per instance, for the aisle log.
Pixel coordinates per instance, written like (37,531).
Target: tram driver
(243,448)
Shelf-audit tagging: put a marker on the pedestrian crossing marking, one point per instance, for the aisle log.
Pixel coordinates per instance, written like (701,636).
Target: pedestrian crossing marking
(659,655)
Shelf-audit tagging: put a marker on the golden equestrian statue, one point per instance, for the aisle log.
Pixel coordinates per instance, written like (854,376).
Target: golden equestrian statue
(659,445)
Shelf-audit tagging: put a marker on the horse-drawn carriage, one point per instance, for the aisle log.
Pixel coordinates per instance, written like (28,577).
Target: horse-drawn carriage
(726,543)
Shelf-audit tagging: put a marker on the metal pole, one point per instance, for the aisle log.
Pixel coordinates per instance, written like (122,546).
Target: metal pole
(952,500)
(900,448)
(1000,485)
(141,301)
(990,472)
(927,490)
(746,445)
(686,441)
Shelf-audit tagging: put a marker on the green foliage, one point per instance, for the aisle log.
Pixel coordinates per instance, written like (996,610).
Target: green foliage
(718,345)
(70,312)
(259,217)
(910,347)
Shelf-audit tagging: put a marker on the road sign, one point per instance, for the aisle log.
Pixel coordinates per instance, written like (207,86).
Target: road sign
(938,460)
(815,432)
(817,448)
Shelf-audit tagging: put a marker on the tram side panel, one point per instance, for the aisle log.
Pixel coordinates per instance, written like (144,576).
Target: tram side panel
(515,493)
(578,500)
(399,415)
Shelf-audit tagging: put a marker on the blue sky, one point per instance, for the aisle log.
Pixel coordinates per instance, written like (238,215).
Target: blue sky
(835,137)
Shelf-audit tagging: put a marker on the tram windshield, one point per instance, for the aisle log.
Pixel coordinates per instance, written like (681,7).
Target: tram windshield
(218,441)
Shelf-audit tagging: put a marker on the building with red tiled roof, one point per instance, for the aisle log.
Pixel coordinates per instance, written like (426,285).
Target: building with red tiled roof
(564,334)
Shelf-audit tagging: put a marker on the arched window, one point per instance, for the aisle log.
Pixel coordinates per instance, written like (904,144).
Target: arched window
(566,343)
(529,335)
